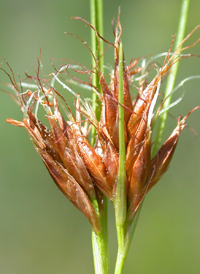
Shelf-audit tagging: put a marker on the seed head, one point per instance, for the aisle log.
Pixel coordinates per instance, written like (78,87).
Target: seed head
(85,173)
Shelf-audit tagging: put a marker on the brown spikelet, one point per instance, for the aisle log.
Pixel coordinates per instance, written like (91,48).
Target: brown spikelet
(110,157)
(162,159)
(140,172)
(93,163)
(71,159)
(41,136)
(15,122)
(137,141)
(59,137)
(71,189)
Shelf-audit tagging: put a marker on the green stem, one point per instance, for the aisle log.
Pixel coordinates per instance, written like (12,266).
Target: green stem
(120,199)
(121,256)
(96,10)
(93,19)
(100,246)
(173,72)
(120,253)
(100,240)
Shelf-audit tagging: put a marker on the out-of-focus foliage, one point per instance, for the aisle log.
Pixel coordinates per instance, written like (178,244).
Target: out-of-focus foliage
(40,231)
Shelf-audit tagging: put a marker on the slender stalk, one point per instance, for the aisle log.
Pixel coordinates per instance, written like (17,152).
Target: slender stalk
(100,240)
(96,10)
(100,247)
(121,257)
(173,72)
(93,19)
(100,31)
(120,200)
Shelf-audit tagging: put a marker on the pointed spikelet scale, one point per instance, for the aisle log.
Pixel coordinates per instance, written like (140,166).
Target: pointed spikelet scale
(71,189)
(93,162)
(162,159)
(110,112)
(72,160)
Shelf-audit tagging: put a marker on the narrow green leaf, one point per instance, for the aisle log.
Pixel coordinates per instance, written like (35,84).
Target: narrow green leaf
(173,72)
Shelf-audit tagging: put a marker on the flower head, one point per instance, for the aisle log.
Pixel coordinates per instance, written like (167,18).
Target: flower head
(85,173)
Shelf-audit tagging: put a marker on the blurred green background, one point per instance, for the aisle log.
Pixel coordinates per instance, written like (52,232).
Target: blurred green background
(40,231)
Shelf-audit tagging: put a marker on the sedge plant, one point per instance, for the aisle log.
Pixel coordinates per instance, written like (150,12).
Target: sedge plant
(103,151)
